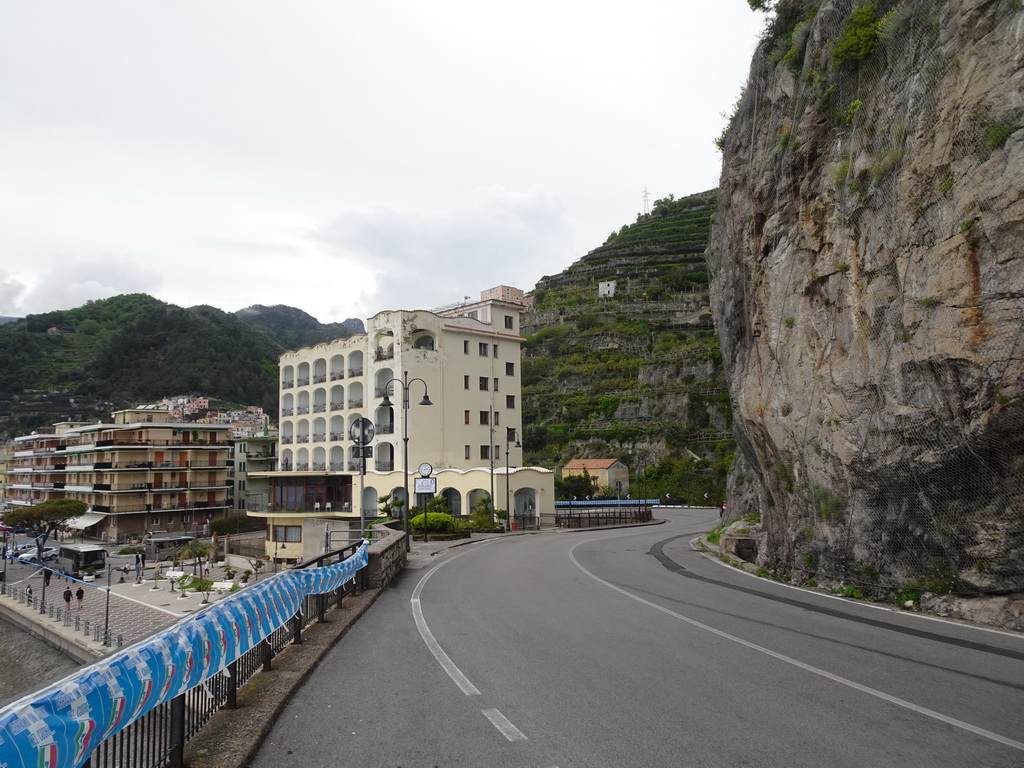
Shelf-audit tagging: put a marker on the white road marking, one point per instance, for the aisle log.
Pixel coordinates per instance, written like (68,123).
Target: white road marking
(504,725)
(428,637)
(807,667)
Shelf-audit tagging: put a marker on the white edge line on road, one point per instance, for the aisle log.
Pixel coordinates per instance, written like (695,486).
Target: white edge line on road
(504,725)
(707,555)
(428,637)
(806,667)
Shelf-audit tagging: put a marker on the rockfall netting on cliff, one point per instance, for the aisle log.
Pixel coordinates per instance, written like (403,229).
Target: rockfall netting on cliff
(868,288)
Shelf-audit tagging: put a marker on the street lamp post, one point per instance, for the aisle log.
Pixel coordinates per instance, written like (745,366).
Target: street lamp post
(106,611)
(508,510)
(405,382)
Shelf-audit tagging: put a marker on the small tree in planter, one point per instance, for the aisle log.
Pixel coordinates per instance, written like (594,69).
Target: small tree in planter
(204,586)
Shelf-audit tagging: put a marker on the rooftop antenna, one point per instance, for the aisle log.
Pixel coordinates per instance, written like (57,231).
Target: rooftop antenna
(646,197)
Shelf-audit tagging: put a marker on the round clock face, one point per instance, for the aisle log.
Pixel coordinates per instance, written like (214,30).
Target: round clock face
(426,469)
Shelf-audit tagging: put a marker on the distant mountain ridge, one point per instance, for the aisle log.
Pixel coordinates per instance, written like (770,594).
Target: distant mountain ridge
(81,363)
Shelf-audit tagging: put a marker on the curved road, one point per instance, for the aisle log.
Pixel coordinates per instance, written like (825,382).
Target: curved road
(627,648)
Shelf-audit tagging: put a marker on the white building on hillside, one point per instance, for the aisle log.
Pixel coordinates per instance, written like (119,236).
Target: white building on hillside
(466,360)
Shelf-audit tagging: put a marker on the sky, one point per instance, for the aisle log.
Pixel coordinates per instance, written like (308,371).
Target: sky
(340,157)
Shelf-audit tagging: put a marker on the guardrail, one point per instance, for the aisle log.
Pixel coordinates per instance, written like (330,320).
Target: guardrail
(589,518)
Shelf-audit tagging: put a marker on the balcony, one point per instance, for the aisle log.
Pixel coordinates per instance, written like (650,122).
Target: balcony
(386,391)
(337,375)
(302,382)
(385,354)
(287,411)
(337,406)
(320,378)
(302,438)
(302,467)
(302,409)
(337,435)
(319,437)
(385,466)
(287,384)
(355,403)
(286,441)
(353,466)
(337,466)
(319,467)
(385,429)
(353,372)
(319,408)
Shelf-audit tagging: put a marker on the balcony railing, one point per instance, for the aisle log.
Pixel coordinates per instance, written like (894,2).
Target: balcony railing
(385,429)
(337,435)
(386,391)
(302,438)
(337,466)
(337,406)
(319,407)
(287,384)
(286,441)
(385,354)
(353,466)
(302,409)
(287,411)
(302,467)
(320,378)
(353,372)
(337,375)
(385,466)
(355,403)
(319,437)
(319,467)
(302,382)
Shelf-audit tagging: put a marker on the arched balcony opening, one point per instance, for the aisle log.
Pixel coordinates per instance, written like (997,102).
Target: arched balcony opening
(384,420)
(384,343)
(381,386)
(355,395)
(319,400)
(453,499)
(384,457)
(320,430)
(355,364)
(302,375)
(338,397)
(288,405)
(287,377)
(337,459)
(319,371)
(287,460)
(337,367)
(302,460)
(302,431)
(337,431)
(302,403)
(423,340)
(319,460)
(287,433)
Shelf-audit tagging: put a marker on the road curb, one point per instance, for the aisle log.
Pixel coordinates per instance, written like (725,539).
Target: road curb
(232,737)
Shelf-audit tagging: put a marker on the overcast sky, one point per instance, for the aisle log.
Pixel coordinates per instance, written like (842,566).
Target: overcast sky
(344,157)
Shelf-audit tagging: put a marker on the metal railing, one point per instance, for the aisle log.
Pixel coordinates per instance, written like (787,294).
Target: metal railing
(588,518)
(158,738)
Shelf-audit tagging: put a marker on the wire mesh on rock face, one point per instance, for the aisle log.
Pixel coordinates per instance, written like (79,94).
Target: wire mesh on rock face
(869,289)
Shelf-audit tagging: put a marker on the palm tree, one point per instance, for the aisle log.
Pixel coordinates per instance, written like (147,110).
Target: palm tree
(197,549)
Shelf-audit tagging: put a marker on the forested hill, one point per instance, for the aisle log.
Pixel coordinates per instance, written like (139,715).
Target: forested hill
(633,371)
(82,363)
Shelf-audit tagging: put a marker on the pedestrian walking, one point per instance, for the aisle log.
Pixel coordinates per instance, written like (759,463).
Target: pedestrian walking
(80,594)
(67,599)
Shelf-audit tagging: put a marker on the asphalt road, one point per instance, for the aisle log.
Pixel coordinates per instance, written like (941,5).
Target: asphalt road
(627,648)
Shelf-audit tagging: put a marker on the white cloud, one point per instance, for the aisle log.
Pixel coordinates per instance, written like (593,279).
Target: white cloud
(425,260)
(70,283)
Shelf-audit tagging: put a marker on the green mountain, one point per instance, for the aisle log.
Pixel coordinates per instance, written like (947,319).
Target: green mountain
(80,363)
(621,360)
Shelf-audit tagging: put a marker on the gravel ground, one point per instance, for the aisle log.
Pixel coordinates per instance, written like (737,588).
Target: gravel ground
(26,662)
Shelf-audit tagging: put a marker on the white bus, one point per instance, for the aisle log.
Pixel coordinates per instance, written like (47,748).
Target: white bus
(79,559)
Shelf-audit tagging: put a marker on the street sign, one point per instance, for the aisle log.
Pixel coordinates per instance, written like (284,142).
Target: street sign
(361,432)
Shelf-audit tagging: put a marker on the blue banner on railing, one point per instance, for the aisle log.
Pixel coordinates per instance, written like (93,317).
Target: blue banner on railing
(59,726)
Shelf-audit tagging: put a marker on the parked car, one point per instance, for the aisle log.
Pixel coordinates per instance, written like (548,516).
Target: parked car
(49,553)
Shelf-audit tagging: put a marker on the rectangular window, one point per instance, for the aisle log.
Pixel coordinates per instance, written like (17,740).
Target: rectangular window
(465,380)
(484,417)
(495,350)
(510,369)
(495,384)
(483,349)
(510,401)
(466,413)
(485,451)
(468,449)
(497,417)
(287,533)
(483,383)
(508,321)
(465,347)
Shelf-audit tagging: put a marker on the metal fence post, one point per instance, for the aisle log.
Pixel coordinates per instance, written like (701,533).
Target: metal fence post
(268,655)
(297,628)
(232,697)
(176,756)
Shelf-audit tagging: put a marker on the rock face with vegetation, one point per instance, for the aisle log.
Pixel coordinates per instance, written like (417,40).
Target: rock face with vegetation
(868,286)
(621,361)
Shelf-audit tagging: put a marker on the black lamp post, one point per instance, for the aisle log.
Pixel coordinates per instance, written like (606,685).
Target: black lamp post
(508,510)
(404,382)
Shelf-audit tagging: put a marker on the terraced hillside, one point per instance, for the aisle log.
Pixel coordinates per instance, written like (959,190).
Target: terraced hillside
(621,359)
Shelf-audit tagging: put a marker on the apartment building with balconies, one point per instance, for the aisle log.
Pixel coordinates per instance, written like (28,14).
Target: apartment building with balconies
(466,359)
(137,474)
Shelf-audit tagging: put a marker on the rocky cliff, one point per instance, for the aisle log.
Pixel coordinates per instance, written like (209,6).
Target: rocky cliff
(867,263)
